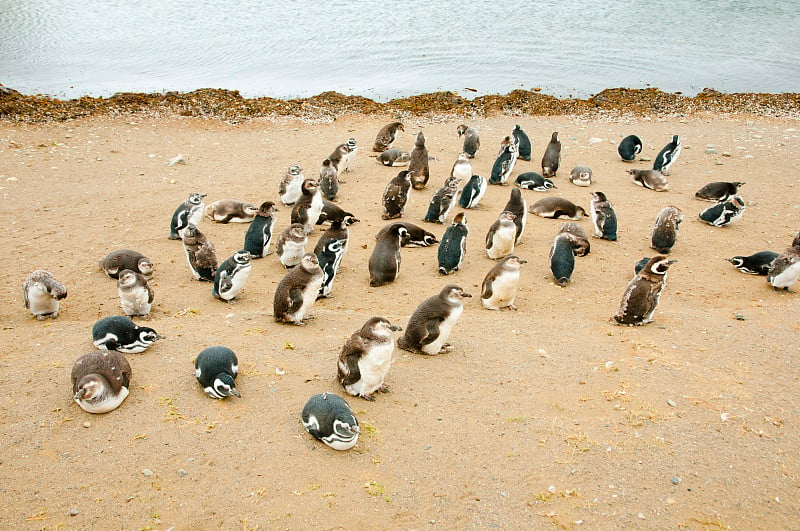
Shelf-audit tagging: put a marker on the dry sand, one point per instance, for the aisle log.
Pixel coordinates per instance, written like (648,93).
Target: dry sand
(550,416)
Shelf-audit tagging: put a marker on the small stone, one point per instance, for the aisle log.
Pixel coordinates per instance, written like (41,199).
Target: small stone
(672,403)
(724,416)
(711,151)
(73,511)
(675,480)
(147,472)
(738,317)
(726,154)
(87,424)
(12,180)
(182,472)
(645,159)
(749,157)
(718,163)
(710,146)
(595,140)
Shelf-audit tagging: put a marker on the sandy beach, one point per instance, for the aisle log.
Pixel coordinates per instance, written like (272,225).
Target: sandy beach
(550,416)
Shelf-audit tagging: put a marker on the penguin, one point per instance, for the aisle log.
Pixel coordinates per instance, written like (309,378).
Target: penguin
(395,196)
(231,211)
(231,276)
(291,245)
(518,206)
(562,258)
(100,381)
(200,254)
(667,156)
(415,235)
(580,243)
(312,197)
(432,322)
(643,293)
(135,294)
(501,236)
(328,180)
(785,269)
(337,231)
(329,258)
(418,165)
(442,202)
(499,287)
(640,265)
(557,207)
(472,141)
(42,294)
(756,264)
(603,217)
(629,147)
(394,157)
(366,358)
(718,191)
(507,141)
(581,176)
(258,239)
(552,156)
(343,156)
(384,262)
(291,184)
(665,229)
(652,179)
(297,291)
(119,333)
(333,213)
(503,165)
(188,212)
(523,143)
(462,168)
(473,192)
(328,418)
(531,180)
(724,213)
(454,245)
(387,136)
(116,261)
(352,148)
(216,369)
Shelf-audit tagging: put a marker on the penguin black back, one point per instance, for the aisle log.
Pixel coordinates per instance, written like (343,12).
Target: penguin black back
(216,369)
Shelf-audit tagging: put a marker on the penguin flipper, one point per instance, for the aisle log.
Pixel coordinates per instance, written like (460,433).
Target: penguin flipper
(226,219)
(205,257)
(150,293)
(487,288)
(349,372)
(431,332)
(295,299)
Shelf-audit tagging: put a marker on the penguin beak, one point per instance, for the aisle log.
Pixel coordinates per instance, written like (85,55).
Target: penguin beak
(78,395)
(235,391)
(521,261)
(395,328)
(670,262)
(465,294)
(161,336)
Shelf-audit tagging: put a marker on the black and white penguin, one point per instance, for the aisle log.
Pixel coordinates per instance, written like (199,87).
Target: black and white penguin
(785,269)
(100,381)
(530,180)
(384,262)
(523,143)
(651,179)
(418,166)
(667,156)
(231,211)
(629,147)
(604,218)
(329,257)
(718,191)
(552,156)
(297,291)
(188,212)
(291,245)
(311,196)
(499,288)
(562,258)
(638,266)
(453,247)
(665,229)
(216,369)
(643,293)
(328,418)
(394,157)
(119,333)
(432,322)
(135,293)
(352,148)
(577,236)
(518,205)
(581,176)
(724,213)
(504,165)
(338,159)
(387,136)
(258,238)
(502,236)
(337,231)
(557,207)
(116,261)
(328,180)
(231,276)
(333,213)
(756,264)
(472,141)
(42,294)
(473,192)
(415,235)
(462,168)
(442,202)
(366,358)
(200,254)
(395,196)
(291,185)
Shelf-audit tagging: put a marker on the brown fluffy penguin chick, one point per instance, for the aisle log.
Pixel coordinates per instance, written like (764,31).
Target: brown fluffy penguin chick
(366,358)
(643,293)
(499,288)
(100,380)
(297,291)
(387,135)
(42,294)
(432,322)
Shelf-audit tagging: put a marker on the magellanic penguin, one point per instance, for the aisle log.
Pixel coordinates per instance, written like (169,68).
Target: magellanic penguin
(562,258)
(432,322)
(552,156)
(473,192)
(135,293)
(785,269)
(418,166)
(580,243)
(100,381)
(604,218)
(724,213)
(442,202)
(643,293)
(557,207)
(216,369)
(352,148)
(523,143)
(472,141)
(366,358)
(328,180)
(188,212)
(499,288)
(42,294)
(530,180)
(258,239)
(291,245)
(638,266)
(291,184)
(387,136)
(329,257)
(231,276)
(652,179)
(667,156)
(384,262)
(344,155)
(415,235)
(395,196)
(119,333)
(333,213)
(297,291)
(629,147)
(454,245)
(718,191)
(394,157)
(200,254)
(462,168)
(504,165)
(337,231)
(518,205)
(756,264)
(665,229)
(308,215)
(328,418)
(501,236)
(231,211)
(116,261)
(581,176)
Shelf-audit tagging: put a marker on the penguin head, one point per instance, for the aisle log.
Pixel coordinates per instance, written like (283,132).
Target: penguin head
(460,219)
(242,257)
(297,231)
(90,388)
(506,215)
(127,279)
(294,169)
(250,210)
(380,326)
(309,262)
(513,261)
(266,209)
(547,184)
(737,261)
(429,239)
(462,157)
(453,293)
(225,386)
(599,196)
(554,138)
(195,198)
(345,427)
(145,267)
(659,265)
(349,219)
(310,186)
(461,129)
(148,335)
(420,141)
(352,144)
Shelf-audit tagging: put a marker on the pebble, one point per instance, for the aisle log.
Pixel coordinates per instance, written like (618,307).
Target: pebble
(672,403)
(711,151)
(73,511)
(182,472)
(87,424)
(675,480)
(645,159)
(147,472)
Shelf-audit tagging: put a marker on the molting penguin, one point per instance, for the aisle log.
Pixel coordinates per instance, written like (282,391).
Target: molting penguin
(499,288)
(580,243)
(503,165)
(518,206)
(629,147)
(135,294)
(231,210)
(116,261)
(328,180)
(756,264)
(395,196)
(291,184)
(258,238)
(384,262)
(216,369)
(531,180)
(454,245)
(462,168)
(718,191)
(562,258)
(387,136)
(523,143)
(442,202)
(643,293)
(581,176)
(724,213)
(472,140)
(432,322)
(332,213)
(297,291)
(312,197)
(329,257)
(42,294)
(352,148)
(603,217)
(100,381)
(785,269)
(665,229)
(328,418)
(667,156)
(473,192)
(501,236)
(552,156)
(394,157)
(344,155)
(291,245)
(366,358)
(557,207)
(418,165)
(200,254)
(231,276)
(119,333)
(188,212)
(652,179)
(415,235)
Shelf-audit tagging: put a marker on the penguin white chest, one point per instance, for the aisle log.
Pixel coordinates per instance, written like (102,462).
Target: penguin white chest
(292,191)
(503,241)
(237,282)
(292,253)
(40,302)
(787,277)
(309,297)
(504,291)
(374,366)
(313,212)
(444,331)
(135,301)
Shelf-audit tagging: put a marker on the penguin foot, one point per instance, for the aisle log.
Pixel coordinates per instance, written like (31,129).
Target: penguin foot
(447,347)
(41,317)
(368,397)
(512,307)
(383,389)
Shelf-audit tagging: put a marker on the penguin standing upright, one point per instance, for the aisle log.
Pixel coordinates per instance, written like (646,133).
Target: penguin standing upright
(387,136)
(667,156)
(784,271)
(395,197)
(312,197)
(523,143)
(472,141)
(328,418)
(501,236)
(504,164)
(291,184)
(297,291)
(432,322)
(135,293)
(518,205)
(418,166)
(756,264)
(291,245)
(328,180)
(603,217)
(216,369)
(552,156)
(718,191)
(344,155)
(188,212)
(231,276)
(629,147)
(530,180)
(329,257)
(473,192)
(337,231)
(366,358)
(258,238)
(652,179)
(384,262)
(100,381)
(116,261)
(724,213)
(562,258)
(665,229)
(454,245)
(643,293)
(200,254)
(499,287)
(42,294)
(442,202)
(352,148)
(462,168)
(119,333)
